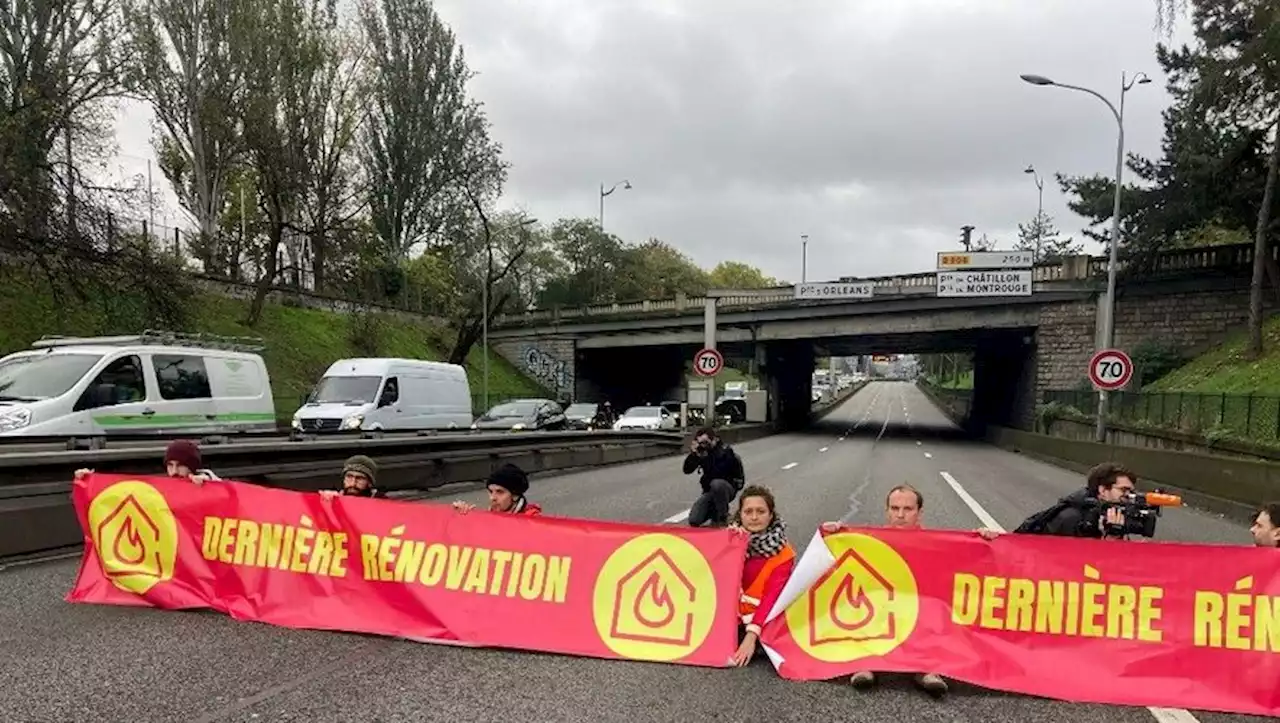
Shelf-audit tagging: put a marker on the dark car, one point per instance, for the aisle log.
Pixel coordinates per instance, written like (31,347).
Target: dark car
(522,415)
(588,415)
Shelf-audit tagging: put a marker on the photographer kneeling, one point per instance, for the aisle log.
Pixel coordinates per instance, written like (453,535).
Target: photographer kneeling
(722,477)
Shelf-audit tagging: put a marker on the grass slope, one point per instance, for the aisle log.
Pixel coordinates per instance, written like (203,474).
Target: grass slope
(300,343)
(1225,370)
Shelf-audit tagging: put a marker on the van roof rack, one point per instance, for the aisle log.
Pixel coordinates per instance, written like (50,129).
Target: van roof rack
(158,337)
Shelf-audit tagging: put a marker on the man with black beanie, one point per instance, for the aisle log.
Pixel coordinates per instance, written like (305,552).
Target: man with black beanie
(507,488)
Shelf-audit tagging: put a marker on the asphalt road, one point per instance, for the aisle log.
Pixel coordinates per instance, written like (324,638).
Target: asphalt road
(62,663)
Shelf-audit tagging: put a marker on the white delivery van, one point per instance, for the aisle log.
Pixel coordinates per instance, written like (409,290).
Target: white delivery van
(387,394)
(156,382)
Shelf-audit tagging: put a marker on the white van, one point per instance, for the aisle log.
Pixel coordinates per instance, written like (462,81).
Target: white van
(387,394)
(156,382)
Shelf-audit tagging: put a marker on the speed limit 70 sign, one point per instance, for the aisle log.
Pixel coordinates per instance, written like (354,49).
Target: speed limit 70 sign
(708,362)
(1110,369)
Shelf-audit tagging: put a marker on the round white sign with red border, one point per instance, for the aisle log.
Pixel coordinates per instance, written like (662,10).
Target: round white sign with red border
(1110,369)
(708,362)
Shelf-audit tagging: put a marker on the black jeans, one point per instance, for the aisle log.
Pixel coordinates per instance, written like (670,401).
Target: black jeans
(713,505)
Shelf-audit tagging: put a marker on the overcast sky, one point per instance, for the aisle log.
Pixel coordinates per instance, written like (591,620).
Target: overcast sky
(877,128)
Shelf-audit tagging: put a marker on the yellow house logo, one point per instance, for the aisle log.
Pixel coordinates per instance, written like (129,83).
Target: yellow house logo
(134,534)
(864,606)
(655,598)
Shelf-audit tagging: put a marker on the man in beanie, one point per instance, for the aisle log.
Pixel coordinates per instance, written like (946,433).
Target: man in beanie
(507,488)
(182,460)
(359,475)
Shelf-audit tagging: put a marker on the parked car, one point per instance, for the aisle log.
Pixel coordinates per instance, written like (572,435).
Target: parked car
(646,418)
(588,415)
(523,415)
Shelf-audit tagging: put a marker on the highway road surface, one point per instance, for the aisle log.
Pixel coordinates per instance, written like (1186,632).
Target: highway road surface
(63,663)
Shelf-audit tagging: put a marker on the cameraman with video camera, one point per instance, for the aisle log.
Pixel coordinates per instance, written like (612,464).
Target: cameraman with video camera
(1109,507)
(722,478)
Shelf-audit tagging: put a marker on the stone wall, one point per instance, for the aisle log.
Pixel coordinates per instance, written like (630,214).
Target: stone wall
(293,297)
(1190,321)
(547,360)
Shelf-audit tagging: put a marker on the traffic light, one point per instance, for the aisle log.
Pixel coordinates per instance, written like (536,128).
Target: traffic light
(965,233)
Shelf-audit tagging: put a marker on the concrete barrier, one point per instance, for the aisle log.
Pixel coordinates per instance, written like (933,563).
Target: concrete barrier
(1230,486)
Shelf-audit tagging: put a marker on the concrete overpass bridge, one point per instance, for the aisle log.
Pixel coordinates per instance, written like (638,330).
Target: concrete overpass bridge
(636,352)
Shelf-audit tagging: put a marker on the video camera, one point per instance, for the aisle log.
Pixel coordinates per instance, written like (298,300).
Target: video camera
(1140,510)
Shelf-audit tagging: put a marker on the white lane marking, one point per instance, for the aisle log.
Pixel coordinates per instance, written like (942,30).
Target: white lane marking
(1163,715)
(928,456)
(919,443)
(677,518)
(823,449)
(789,465)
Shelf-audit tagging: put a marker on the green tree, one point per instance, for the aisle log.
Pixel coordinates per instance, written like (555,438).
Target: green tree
(737,275)
(656,270)
(590,261)
(425,140)
(183,64)
(1042,236)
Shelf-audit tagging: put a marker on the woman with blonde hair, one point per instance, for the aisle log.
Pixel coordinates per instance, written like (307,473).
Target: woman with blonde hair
(770,560)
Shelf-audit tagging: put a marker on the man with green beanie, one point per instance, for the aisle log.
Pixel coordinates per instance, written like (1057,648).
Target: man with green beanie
(359,475)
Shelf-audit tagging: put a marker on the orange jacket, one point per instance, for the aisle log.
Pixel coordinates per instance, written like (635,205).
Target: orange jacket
(759,583)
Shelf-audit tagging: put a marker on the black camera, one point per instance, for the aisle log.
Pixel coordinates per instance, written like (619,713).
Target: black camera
(1141,510)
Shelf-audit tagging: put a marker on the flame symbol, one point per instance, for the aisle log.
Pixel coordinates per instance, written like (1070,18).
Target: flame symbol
(855,600)
(128,547)
(659,604)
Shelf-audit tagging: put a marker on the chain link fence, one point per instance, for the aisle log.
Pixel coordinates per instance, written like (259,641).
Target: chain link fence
(1245,416)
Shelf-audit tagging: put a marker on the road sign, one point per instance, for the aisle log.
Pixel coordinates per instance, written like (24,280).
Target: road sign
(955,260)
(708,362)
(1110,369)
(832,290)
(1016,282)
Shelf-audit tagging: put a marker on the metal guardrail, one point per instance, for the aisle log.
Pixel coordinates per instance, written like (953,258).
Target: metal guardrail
(36,513)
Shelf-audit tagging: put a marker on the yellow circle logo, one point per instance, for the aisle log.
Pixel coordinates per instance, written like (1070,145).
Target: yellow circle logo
(135,535)
(655,599)
(864,606)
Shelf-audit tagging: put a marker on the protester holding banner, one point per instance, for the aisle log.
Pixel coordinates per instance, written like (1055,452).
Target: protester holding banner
(182,460)
(359,479)
(904,506)
(1266,526)
(507,487)
(770,560)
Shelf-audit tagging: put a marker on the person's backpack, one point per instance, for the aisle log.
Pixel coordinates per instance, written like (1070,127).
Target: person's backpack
(1039,522)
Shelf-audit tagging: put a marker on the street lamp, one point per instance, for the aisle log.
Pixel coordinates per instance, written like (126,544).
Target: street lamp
(1108,322)
(804,257)
(1039,208)
(484,301)
(626,186)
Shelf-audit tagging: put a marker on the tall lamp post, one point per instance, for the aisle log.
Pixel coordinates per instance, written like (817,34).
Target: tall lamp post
(1108,322)
(804,257)
(484,300)
(626,186)
(1039,209)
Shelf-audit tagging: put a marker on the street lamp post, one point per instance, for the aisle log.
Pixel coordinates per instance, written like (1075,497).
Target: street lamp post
(1039,209)
(804,257)
(484,302)
(626,186)
(1108,321)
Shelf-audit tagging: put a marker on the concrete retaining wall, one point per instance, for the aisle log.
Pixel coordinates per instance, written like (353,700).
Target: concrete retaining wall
(1234,487)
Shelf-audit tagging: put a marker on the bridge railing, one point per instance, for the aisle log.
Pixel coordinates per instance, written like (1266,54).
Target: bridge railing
(1073,268)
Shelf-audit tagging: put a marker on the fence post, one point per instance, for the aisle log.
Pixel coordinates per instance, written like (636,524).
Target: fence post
(1222,410)
(1248,416)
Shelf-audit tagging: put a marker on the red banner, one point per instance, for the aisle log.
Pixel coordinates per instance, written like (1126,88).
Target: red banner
(1166,625)
(412,570)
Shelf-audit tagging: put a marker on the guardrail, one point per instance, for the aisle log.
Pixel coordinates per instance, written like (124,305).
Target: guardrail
(35,506)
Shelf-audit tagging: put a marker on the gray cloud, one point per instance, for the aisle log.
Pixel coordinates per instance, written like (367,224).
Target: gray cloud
(876,128)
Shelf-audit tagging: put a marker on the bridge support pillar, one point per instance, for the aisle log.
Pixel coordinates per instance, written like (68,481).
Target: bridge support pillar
(1004,384)
(787,374)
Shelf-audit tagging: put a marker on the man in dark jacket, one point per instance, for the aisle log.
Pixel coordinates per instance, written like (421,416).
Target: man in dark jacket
(722,477)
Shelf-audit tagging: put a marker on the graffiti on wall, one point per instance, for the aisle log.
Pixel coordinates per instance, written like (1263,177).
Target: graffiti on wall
(553,373)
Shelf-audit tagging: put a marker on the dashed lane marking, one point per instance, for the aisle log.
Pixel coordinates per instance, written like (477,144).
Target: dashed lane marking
(823,449)
(677,518)
(789,465)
